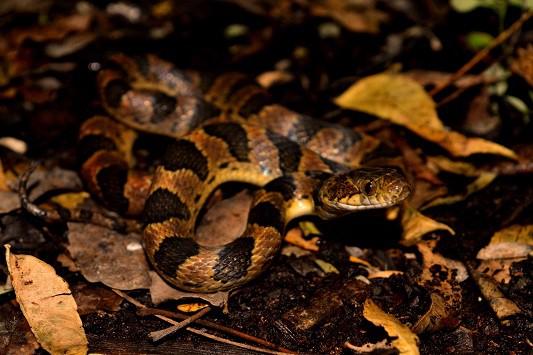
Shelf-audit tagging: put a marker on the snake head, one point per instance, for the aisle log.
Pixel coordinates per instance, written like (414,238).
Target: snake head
(361,189)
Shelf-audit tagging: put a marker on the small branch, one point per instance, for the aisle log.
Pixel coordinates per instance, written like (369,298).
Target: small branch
(483,53)
(164,332)
(164,315)
(215,326)
(240,345)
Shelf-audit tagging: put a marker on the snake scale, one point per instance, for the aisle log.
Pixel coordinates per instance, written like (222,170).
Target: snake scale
(226,129)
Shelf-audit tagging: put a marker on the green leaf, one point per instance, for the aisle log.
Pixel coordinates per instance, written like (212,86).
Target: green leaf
(478,40)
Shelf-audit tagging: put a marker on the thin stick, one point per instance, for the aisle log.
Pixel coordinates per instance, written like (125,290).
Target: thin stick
(244,346)
(483,53)
(215,326)
(158,335)
(164,315)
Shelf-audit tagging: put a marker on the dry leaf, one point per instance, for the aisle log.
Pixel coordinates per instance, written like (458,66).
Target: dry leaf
(106,256)
(523,64)
(503,307)
(356,16)
(406,341)
(9,201)
(512,242)
(160,291)
(326,267)
(403,101)
(484,180)
(434,318)
(438,276)
(415,225)
(47,304)
(71,200)
(452,166)
(191,307)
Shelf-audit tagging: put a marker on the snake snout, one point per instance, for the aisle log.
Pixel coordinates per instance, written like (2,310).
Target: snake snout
(398,189)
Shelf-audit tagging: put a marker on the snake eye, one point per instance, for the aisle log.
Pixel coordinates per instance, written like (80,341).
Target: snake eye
(369,187)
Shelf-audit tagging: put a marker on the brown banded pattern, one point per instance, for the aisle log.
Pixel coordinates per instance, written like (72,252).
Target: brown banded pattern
(227,129)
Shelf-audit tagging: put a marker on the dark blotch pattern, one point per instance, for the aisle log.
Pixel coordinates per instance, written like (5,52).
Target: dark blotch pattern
(289,152)
(266,214)
(172,252)
(113,92)
(162,205)
(234,135)
(183,154)
(284,185)
(111,180)
(92,143)
(254,104)
(234,260)
(164,105)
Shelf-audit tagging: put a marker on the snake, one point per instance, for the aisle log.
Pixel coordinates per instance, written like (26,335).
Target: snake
(225,128)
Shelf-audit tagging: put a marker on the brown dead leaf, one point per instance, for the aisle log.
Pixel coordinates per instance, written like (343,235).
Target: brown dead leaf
(401,100)
(9,201)
(506,246)
(355,16)
(485,179)
(434,318)
(498,269)
(106,256)
(443,163)
(47,304)
(91,298)
(415,225)
(523,64)
(406,342)
(438,276)
(502,306)
(160,291)
(225,220)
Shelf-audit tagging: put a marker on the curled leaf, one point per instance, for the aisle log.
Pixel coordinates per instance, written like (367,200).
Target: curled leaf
(403,101)
(48,305)
(406,341)
(415,225)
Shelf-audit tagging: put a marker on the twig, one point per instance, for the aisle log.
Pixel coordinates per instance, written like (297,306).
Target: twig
(164,315)
(206,323)
(244,346)
(158,335)
(483,53)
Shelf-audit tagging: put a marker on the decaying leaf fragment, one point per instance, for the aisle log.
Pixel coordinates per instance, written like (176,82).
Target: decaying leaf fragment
(432,319)
(406,341)
(483,180)
(512,242)
(439,277)
(401,100)
(48,305)
(502,306)
(106,256)
(415,225)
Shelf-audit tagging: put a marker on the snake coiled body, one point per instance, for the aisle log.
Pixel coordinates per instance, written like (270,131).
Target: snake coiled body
(226,129)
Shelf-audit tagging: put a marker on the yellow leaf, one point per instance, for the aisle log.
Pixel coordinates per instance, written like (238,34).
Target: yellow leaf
(401,100)
(71,200)
(406,341)
(326,267)
(47,304)
(415,225)
(191,307)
